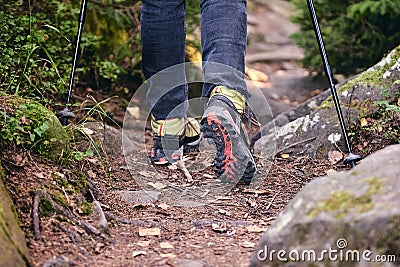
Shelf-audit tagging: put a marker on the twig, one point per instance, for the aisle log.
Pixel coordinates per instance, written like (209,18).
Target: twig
(65,194)
(272,201)
(73,239)
(181,165)
(206,222)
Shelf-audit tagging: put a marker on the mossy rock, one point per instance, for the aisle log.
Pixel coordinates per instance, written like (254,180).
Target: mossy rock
(314,124)
(356,210)
(14,251)
(29,124)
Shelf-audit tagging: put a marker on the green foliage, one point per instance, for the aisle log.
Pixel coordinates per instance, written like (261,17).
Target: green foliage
(193,23)
(356,33)
(37,43)
(31,126)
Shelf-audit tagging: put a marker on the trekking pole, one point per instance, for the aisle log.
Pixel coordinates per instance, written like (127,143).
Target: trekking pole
(351,158)
(66,114)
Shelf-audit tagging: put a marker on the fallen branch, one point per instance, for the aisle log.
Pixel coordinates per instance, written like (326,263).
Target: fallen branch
(272,201)
(35,215)
(181,165)
(206,222)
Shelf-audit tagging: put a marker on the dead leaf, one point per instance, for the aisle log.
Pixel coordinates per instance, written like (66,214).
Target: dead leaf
(208,176)
(363,122)
(334,156)
(285,156)
(252,203)
(172,167)
(94,161)
(98,247)
(86,131)
(134,112)
(167,255)
(143,243)
(255,229)
(219,228)
(166,245)
(163,206)
(145,173)
(330,171)
(138,253)
(248,244)
(39,175)
(222,211)
(149,231)
(256,75)
(157,185)
(255,191)
(21,159)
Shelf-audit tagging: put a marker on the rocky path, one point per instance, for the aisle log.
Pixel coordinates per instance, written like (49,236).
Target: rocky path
(272,52)
(143,232)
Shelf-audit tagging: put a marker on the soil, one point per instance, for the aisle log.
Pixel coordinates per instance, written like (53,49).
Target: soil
(223,233)
(156,233)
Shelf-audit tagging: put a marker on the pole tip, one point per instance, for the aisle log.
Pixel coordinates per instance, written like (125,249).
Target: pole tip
(64,116)
(352,159)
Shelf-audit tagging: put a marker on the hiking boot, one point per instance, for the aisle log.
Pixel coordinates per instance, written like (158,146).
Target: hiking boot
(221,123)
(173,138)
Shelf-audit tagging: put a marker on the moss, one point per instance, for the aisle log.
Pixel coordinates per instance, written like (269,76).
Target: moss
(87,208)
(46,207)
(32,126)
(372,77)
(12,240)
(60,198)
(342,202)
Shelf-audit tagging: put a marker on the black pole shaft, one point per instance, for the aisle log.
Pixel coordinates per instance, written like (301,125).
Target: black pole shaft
(81,21)
(329,74)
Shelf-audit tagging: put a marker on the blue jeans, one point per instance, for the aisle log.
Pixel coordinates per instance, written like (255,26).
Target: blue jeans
(223,39)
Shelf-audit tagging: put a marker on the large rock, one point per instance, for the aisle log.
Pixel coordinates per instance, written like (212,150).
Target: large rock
(13,248)
(352,212)
(314,125)
(31,125)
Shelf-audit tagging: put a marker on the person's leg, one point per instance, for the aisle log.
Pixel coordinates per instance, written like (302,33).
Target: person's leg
(163,54)
(223,38)
(163,46)
(223,32)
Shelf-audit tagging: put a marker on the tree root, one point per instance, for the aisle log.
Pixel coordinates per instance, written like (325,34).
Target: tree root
(41,194)
(35,215)
(114,217)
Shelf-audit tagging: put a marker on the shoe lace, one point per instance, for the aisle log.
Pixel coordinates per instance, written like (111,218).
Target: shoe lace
(246,115)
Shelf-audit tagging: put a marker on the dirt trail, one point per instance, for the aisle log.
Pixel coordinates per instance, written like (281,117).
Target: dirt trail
(272,52)
(155,233)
